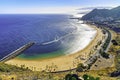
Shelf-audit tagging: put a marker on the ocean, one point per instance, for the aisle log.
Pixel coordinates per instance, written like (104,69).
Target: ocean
(54,35)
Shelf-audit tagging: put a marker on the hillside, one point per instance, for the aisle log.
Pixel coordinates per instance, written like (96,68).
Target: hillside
(103,15)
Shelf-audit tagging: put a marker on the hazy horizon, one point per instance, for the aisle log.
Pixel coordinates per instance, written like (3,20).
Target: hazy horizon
(50,6)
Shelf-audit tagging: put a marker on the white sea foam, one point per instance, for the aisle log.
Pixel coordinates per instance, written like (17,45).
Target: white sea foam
(84,39)
(85,35)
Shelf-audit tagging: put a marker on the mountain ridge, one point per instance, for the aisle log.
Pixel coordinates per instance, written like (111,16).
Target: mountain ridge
(100,15)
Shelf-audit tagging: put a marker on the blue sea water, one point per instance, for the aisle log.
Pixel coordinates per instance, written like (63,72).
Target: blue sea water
(53,34)
(47,31)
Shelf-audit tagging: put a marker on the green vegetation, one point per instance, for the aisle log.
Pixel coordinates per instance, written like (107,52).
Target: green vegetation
(72,77)
(22,74)
(114,42)
(10,68)
(88,77)
(105,45)
(81,67)
(84,77)
(107,40)
(118,39)
(115,50)
(92,62)
(104,54)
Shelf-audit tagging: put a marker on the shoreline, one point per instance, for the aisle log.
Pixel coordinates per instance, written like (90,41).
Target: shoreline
(61,63)
(57,54)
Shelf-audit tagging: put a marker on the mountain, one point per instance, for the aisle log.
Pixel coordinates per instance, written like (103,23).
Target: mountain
(103,15)
(91,8)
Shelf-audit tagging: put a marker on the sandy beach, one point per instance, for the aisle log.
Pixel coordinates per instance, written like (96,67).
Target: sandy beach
(63,62)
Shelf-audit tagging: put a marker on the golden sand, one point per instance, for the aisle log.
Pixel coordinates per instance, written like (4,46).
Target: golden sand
(63,62)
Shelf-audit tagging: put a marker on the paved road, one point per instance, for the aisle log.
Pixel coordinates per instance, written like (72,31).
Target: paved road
(96,53)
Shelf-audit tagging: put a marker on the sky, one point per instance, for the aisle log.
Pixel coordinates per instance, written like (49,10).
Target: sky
(51,6)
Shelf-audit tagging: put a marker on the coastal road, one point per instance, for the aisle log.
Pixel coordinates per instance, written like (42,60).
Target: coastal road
(109,34)
(96,53)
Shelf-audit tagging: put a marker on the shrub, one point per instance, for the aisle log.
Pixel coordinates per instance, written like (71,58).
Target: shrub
(71,77)
(88,77)
(105,55)
(80,67)
(68,76)
(114,42)
(85,76)
(75,77)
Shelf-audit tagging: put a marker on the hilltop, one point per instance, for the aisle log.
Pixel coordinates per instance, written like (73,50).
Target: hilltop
(100,15)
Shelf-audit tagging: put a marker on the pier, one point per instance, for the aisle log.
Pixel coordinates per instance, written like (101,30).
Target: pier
(17,52)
